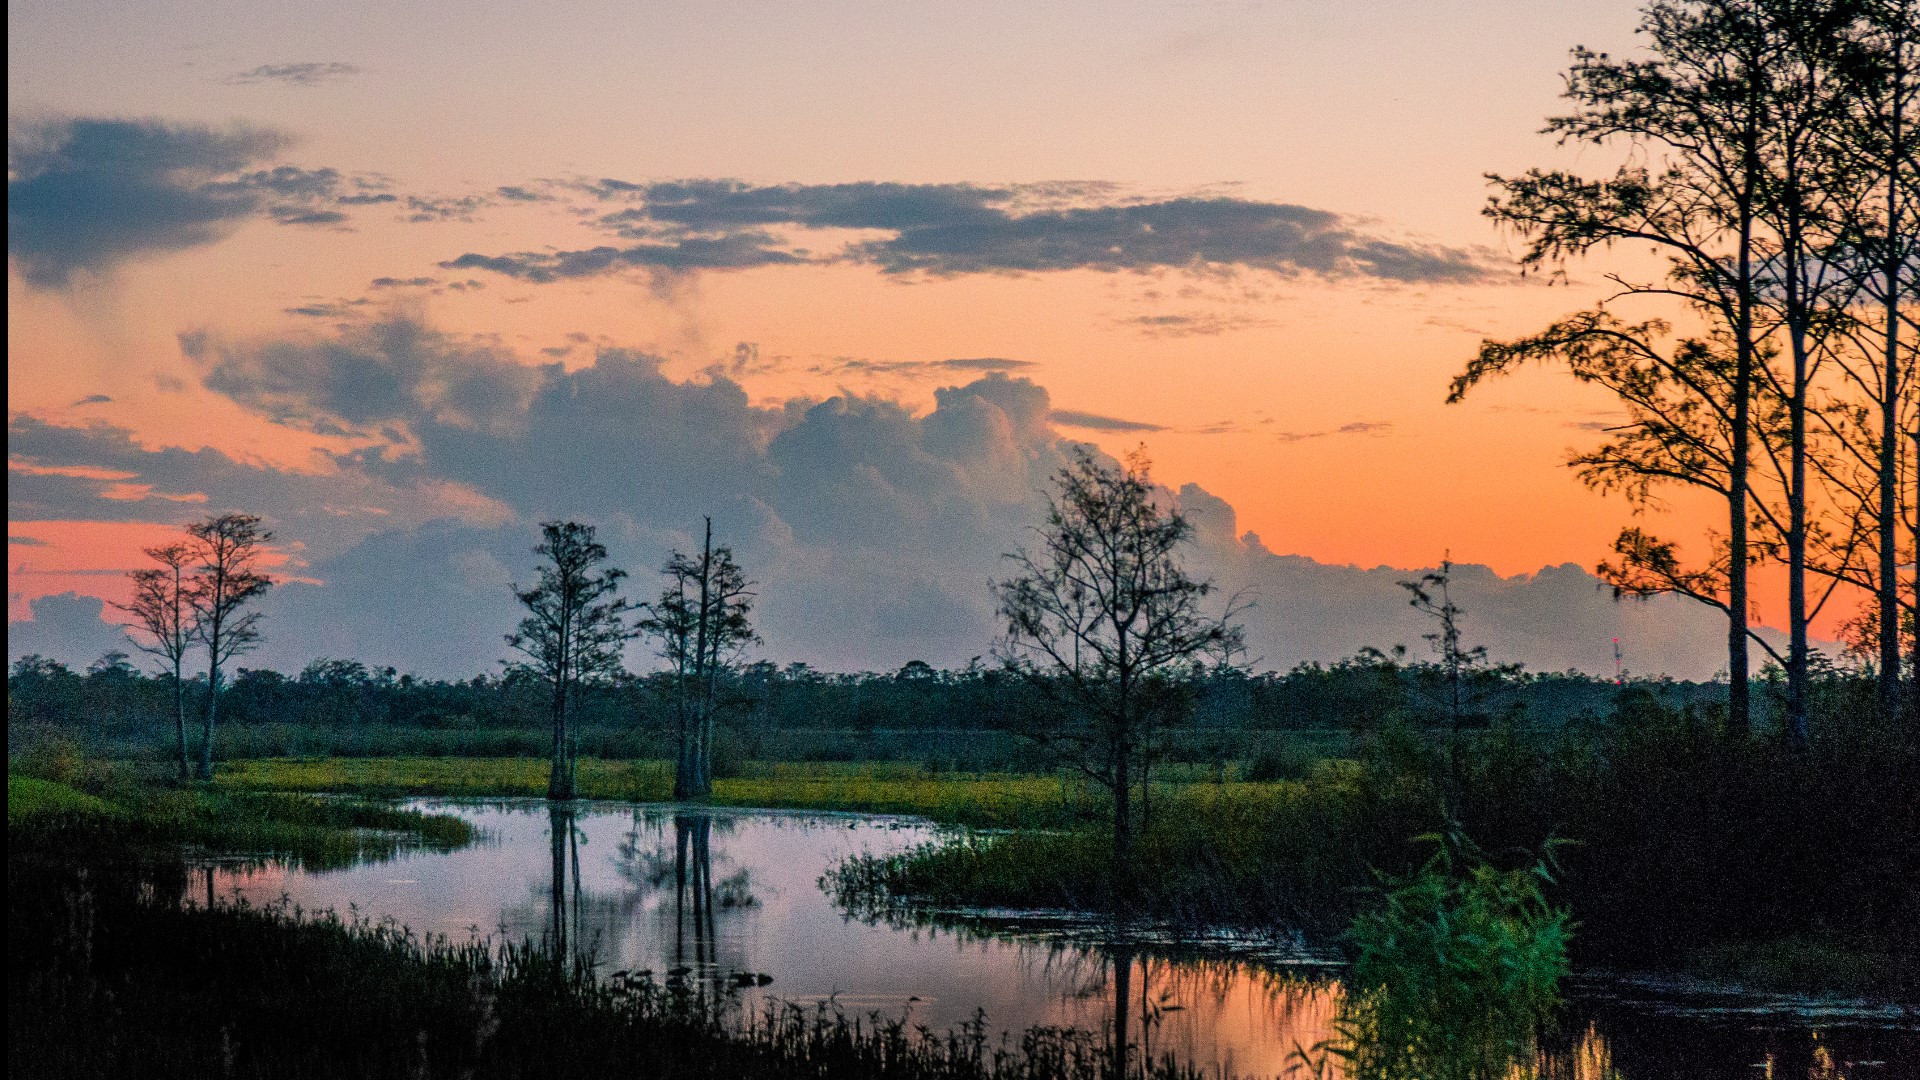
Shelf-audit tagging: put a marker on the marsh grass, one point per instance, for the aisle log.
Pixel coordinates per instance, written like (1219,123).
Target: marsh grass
(986,800)
(300,829)
(1234,853)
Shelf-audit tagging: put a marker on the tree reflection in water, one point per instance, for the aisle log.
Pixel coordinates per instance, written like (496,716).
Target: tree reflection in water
(564,892)
(693,892)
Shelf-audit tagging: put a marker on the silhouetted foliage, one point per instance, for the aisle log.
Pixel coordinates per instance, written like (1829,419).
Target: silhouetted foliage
(701,621)
(573,632)
(227,551)
(1106,623)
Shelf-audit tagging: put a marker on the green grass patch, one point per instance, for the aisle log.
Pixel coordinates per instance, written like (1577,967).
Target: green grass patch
(991,800)
(127,813)
(32,801)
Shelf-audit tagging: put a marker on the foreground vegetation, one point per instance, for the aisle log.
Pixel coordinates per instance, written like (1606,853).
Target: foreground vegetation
(1683,848)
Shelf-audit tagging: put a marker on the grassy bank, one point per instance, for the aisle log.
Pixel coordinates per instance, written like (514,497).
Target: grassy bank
(135,813)
(986,800)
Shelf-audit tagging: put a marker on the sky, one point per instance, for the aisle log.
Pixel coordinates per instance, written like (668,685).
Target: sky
(850,278)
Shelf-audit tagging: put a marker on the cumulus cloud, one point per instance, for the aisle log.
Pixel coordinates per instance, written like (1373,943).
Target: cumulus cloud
(952,229)
(100,473)
(66,627)
(308,73)
(872,528)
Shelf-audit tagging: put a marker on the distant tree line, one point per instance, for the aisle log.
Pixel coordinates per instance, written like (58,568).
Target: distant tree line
(113,698)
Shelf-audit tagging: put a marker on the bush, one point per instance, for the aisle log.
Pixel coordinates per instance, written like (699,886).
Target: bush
(1455,972)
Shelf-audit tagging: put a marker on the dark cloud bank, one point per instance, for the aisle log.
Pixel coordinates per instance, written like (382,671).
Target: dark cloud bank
(949,229)
(872,530)
(86,195)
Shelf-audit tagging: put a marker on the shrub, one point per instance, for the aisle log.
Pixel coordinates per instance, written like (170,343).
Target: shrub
(1456,970)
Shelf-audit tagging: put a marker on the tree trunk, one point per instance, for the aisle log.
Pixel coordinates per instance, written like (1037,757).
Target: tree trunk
(207,718)
(1797,649)
(685,753)
(1122,817)
(560,776)
(1889,598)
(180,720)
(1739,664)
(704,649)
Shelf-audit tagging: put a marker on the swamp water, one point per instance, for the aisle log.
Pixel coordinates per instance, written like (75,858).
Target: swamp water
(730,897)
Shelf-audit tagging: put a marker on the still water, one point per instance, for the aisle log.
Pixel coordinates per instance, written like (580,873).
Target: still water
(733,897)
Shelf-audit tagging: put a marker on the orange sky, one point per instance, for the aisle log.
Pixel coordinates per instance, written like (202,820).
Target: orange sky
(1386,117)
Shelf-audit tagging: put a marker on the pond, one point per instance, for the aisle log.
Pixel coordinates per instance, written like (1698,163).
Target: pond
(732,898)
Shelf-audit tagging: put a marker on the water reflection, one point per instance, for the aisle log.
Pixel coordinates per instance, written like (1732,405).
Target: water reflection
(722,897)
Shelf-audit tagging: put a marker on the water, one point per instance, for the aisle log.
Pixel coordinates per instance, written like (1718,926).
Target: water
(733,895)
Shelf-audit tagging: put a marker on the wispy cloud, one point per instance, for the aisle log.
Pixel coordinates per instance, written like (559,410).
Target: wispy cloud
(309,73)
(1359,427)
(1204,325)
(1096,422)
(973,364)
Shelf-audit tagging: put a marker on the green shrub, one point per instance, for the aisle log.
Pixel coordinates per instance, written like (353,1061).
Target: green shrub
(1455,972)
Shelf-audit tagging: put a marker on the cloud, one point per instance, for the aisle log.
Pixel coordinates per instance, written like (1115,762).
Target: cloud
(66,627)
(945,230)
(427,208)
(26,541)
(977,364)
(85,195)
(872,528)
(329,309)
(302,74)
(93,399)
(738,251)
(1096,422)
(1358,427)
(1179,326)
(99,473)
